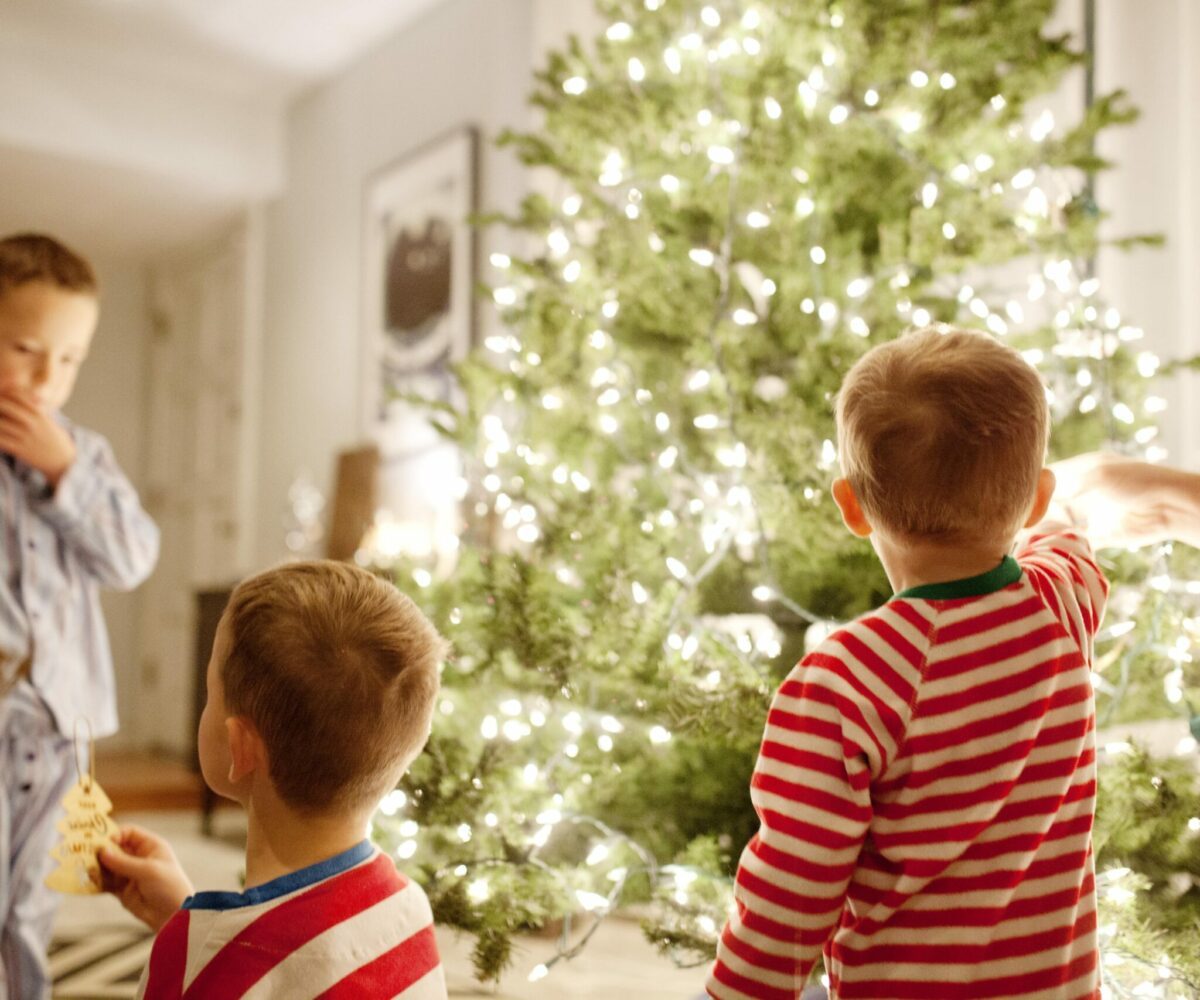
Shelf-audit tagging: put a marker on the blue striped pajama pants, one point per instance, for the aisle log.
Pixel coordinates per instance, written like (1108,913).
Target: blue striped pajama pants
(37,767)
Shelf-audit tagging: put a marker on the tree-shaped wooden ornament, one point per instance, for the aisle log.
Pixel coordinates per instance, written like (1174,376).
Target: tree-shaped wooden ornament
(86,828)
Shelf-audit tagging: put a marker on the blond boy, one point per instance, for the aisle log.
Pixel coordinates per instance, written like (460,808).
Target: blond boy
(320,693)
(926,783)
(70,524)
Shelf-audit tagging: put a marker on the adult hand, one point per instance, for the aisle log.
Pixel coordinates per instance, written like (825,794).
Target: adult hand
(30,434)
(144,874)
(1122,501)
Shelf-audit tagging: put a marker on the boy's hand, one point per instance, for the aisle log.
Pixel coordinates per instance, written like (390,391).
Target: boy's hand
(29,433)
(143,872)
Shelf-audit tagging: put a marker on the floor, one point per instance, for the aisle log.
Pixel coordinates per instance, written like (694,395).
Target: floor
(100,949)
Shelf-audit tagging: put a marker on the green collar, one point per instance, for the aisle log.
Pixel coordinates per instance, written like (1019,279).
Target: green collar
(1008,572)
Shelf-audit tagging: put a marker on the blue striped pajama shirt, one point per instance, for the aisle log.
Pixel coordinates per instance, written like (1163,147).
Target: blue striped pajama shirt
(57,549)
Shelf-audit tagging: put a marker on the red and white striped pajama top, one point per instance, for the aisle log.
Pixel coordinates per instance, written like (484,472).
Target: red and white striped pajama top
(347,928)
(926,787)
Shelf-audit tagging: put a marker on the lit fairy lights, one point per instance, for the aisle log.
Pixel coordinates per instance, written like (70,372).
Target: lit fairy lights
(697,451)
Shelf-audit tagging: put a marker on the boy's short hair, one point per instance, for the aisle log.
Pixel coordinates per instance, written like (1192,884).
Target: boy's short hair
(29,257)
(942,434)
(338,672)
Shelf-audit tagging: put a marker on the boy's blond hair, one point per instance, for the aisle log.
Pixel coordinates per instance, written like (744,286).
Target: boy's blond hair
(942,434)
(29,257)
(338,672)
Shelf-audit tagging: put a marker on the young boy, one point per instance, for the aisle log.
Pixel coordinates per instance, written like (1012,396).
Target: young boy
(320,693)
(926,782)
(70,523)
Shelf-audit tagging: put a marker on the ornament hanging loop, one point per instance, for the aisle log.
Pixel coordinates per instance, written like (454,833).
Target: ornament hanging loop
(88,779)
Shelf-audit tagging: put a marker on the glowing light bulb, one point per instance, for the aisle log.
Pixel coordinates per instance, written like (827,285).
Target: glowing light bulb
(1042,127)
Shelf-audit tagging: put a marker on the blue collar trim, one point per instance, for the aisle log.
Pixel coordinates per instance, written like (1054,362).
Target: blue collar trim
(281,886)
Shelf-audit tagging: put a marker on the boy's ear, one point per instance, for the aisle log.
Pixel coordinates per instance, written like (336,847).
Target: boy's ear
(852,514)
(1042,497)
(246,750)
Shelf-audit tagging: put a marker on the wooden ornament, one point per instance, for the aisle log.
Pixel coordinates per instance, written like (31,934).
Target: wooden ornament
(86,827)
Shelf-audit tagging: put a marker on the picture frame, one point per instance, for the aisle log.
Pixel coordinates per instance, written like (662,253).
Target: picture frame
(419,270)
(419,318)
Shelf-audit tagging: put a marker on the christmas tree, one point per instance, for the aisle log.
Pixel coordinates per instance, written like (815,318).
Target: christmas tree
(745,198)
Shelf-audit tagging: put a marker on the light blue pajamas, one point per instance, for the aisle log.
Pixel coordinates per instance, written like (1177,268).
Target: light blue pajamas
(38,767)
(57,549)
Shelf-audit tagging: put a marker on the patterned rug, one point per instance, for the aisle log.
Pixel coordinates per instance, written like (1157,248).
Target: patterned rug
(104,964)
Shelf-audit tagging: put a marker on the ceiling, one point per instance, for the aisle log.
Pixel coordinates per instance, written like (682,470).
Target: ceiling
(111,212)
(97,89)
(282,45)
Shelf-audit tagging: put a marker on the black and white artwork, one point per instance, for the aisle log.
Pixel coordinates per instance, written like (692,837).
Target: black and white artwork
(419,268)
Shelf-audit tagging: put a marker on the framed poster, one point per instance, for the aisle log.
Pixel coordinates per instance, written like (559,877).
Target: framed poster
(418,296)
(419,318)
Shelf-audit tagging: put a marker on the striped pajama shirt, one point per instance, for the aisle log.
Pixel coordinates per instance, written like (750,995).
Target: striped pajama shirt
(346,928)
(926,787)
(57,549)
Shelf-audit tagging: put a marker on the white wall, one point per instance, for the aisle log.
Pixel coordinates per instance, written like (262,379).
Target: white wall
(1151,48)
(109,398)
(467,62)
